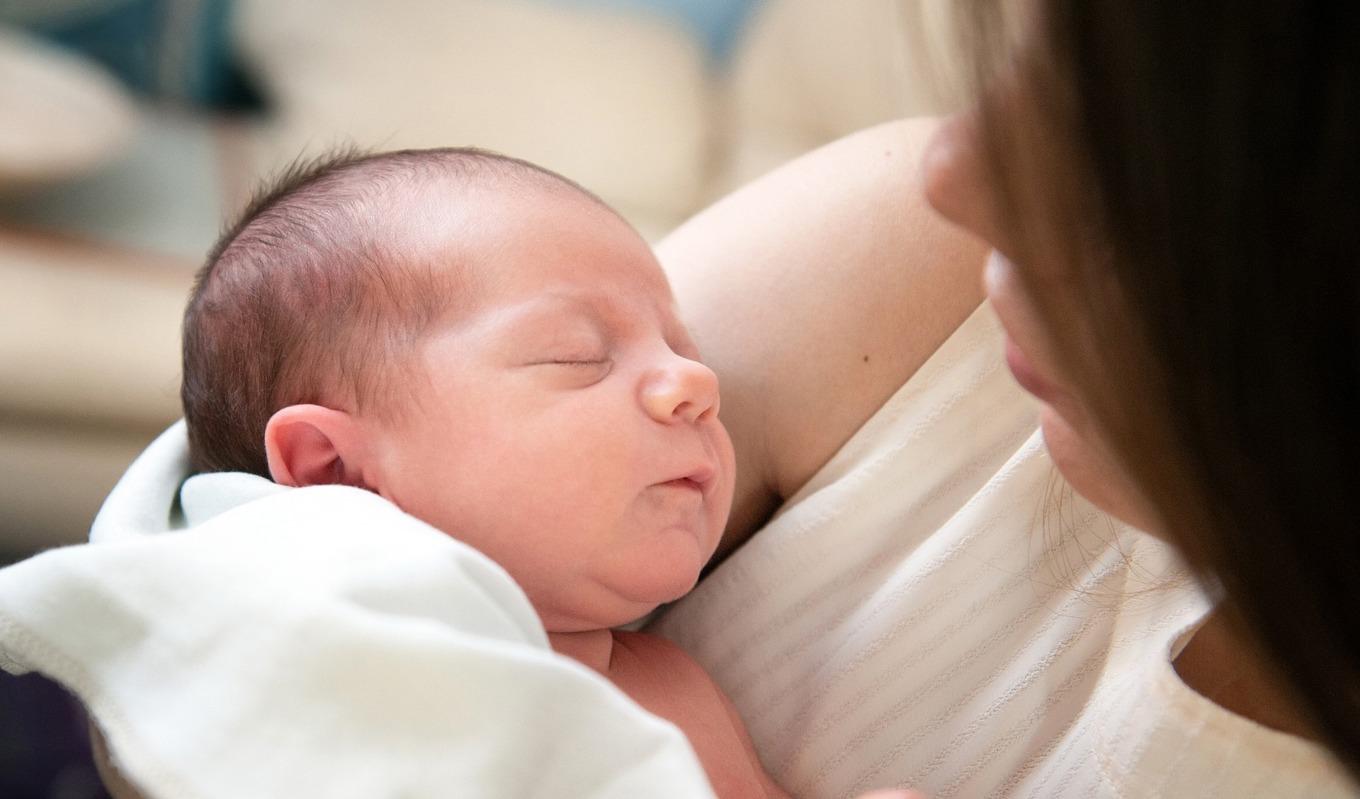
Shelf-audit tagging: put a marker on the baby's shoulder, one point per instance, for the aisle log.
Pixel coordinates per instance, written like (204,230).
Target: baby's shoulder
(665,680)
(647,647)
(646,658)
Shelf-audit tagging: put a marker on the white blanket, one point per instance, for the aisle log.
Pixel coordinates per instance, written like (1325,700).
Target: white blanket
(257,641)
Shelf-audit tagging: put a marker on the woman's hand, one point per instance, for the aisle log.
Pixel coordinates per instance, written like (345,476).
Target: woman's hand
(897,793)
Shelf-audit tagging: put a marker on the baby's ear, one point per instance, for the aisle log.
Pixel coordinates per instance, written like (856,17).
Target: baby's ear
(311,445)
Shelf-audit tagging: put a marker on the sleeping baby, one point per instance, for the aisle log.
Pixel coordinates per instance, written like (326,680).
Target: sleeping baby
(496,352)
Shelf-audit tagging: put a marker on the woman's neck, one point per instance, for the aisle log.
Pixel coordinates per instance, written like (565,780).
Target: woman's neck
(1219,666)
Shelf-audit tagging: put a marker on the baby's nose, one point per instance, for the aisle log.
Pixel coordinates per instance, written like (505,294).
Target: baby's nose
(681,390)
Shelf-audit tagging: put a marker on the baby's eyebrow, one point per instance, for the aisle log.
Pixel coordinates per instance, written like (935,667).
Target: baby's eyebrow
(548,309)
(595,308)
(572,299)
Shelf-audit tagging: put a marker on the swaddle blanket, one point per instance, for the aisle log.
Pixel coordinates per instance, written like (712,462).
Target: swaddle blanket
(242,639)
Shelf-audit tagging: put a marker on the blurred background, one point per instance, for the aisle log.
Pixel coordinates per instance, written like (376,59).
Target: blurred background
(131,131)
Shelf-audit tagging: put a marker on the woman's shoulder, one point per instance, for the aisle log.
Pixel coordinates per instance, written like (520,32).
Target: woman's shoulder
(815,292)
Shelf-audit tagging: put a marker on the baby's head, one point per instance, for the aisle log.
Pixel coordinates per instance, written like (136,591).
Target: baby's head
(486,345)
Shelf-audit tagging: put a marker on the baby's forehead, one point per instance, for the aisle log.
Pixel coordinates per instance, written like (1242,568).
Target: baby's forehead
(481,219)
(528,252)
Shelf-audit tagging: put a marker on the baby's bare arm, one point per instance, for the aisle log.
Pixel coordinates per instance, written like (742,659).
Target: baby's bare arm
(814,293)
(772,789)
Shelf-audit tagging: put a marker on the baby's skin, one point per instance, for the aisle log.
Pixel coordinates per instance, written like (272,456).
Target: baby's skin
(560,421)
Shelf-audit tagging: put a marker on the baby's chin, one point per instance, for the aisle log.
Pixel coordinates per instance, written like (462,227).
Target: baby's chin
(624,588)
(611,607)
(580,621)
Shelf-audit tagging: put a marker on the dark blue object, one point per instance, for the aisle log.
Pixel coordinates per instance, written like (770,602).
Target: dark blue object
(172,50)
(44,743)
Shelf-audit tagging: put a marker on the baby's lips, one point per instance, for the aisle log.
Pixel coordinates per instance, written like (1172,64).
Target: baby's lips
(697,477)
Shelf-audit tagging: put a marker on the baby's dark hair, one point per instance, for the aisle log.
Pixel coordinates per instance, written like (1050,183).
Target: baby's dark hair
(309,298)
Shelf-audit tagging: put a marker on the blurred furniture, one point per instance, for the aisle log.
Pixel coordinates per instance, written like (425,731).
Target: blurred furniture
(107,204)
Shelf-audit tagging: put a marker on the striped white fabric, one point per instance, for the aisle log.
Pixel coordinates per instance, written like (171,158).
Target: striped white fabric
(935,609)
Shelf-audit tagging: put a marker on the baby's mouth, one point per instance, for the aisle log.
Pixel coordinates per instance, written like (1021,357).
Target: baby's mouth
(684,483)
(695,478)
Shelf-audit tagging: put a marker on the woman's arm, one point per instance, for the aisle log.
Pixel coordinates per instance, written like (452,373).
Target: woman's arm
(815,292)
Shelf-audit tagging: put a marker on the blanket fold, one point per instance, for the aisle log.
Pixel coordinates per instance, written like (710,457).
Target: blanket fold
(239,638)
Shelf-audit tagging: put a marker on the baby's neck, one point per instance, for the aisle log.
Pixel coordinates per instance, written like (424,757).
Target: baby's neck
(593,648)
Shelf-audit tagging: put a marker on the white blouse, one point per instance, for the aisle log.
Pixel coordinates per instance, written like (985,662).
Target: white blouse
(936,609)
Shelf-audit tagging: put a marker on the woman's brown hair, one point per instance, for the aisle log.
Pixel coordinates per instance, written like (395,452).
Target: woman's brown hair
(1207,184)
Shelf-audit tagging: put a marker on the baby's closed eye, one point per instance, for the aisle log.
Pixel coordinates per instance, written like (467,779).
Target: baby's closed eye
(576,369)
(570,353)
(573,362)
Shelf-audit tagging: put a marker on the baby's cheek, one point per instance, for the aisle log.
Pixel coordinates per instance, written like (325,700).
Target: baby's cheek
(721,501)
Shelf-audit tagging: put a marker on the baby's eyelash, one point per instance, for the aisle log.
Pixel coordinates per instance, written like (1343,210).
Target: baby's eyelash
(571,362)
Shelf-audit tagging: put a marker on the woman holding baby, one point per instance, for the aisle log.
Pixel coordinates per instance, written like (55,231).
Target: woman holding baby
(1161,201)
(1094,537)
